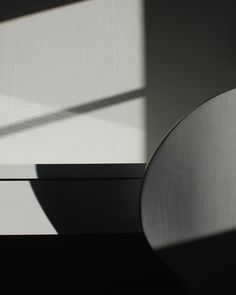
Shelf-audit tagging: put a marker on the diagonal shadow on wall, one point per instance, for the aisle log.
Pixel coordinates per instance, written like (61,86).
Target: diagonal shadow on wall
(113,205)
(11,9)
(69,113)
(190,56)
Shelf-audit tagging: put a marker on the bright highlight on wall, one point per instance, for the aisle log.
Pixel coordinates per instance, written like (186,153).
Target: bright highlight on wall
(72,85)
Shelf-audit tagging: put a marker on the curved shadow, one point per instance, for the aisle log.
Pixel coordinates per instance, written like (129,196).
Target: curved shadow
(117,262)
(90,198)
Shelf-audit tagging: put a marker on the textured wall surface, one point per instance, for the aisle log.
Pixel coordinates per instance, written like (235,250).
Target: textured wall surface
(102,81)
(66,76)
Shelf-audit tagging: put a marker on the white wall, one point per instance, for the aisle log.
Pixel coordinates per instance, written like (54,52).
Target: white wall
(68,57)
(20,212)
(72,56)
(54,61)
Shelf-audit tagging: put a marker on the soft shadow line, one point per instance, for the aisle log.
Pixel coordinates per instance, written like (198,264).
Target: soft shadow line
(69,112)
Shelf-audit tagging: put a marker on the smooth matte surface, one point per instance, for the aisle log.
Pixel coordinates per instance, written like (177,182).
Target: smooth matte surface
(66,76)
(189,190)
(190,57)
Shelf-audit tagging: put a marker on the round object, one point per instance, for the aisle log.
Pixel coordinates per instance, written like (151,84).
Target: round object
(189,188)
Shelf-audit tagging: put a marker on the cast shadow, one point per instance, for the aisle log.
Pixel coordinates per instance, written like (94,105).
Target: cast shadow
(115,264)
(11,9)
(205,265)
(95,210)
(190,57)
(90,198)
(68,113)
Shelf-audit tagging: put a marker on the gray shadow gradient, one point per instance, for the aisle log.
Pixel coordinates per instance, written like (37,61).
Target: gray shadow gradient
(69,113)
(190,57)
